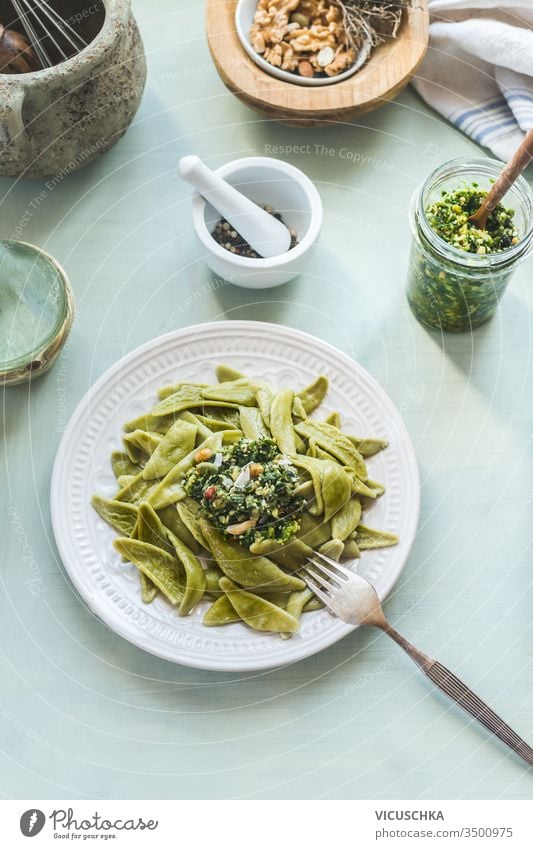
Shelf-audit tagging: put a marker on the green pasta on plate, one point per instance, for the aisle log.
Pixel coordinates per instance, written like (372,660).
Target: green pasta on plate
(224,491)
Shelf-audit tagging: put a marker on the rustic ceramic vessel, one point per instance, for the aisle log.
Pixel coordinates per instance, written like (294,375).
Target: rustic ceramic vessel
(59,119)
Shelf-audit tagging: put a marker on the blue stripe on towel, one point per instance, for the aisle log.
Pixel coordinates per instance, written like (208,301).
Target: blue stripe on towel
(484,124)
(521,102)
(495,119)
(520,97)
(488,131)
(458,117)
(523,108)
(477,123)
(488,120)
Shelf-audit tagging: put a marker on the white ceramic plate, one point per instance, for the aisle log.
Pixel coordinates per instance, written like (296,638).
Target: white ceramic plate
(284,357)
(244,16)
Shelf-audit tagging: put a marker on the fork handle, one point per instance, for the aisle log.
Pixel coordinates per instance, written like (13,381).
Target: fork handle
(456,690)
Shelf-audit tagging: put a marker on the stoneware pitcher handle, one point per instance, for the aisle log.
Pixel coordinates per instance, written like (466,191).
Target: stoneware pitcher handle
(14,139)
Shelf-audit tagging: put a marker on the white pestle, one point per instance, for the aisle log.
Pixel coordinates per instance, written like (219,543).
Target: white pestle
(264,233)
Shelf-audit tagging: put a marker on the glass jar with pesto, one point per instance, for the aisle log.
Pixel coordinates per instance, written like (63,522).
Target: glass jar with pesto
(457,273)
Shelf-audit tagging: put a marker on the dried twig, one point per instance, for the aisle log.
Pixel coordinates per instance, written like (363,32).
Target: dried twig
(371,21)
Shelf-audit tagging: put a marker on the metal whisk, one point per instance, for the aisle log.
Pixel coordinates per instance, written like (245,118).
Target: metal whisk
(43,24)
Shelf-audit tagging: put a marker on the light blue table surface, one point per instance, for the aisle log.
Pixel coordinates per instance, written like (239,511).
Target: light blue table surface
(85,714)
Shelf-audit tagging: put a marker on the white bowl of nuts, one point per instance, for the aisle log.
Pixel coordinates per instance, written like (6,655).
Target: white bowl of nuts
(282,190)
(299,41)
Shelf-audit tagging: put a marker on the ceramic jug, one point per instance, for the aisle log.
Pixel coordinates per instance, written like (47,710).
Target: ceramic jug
(56,120)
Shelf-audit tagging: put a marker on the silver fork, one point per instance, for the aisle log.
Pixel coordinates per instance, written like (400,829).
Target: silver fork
(350,597)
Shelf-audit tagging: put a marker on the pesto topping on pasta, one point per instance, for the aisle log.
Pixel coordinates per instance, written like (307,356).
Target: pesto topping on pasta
(449,219)
(248,491)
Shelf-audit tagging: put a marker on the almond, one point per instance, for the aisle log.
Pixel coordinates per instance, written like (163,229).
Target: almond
(325,56)
(305,69)
(242,527)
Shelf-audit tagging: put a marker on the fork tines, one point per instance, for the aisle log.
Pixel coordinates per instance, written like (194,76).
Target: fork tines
(323,575)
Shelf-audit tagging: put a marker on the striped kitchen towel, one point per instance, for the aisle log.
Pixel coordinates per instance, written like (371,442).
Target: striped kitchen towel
(478,71)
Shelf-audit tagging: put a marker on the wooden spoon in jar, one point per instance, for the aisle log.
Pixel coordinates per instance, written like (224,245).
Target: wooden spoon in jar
(509,175)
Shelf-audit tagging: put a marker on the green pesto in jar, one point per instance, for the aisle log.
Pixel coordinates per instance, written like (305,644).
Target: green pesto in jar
(449,219)
(457,294)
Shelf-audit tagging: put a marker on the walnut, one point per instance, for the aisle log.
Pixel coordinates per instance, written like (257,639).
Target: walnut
(312,42)
(320,31)
(273,20)
(286,5)
(341,62)
(287,43)
(275,35)
(274,55)
(257,39)
(282,56)
(308,7)
(338,31)
(290,61)
(262,18)
(333,15)
(296,33)
(278,9)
